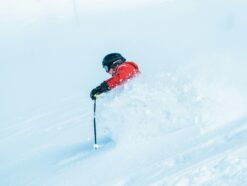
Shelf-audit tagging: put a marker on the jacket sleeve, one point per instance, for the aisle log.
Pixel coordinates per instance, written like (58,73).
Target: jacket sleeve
(103,87)
(122,75)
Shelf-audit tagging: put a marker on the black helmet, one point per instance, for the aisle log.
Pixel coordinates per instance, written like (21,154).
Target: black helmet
(112,60)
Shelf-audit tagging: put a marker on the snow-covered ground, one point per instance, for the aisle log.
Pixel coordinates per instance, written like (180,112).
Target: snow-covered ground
(182,122)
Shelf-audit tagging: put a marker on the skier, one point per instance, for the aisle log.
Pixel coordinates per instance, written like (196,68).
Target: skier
(121,71)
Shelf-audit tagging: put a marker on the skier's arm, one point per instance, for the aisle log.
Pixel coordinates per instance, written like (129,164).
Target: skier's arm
(123,74)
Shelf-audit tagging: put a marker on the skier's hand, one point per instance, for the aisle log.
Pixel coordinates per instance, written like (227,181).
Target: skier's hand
(103,87)
(94,93)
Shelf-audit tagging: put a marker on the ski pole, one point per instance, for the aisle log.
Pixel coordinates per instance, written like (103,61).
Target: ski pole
(95,132)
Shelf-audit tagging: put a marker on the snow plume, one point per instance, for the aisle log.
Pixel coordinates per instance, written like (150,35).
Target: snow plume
(149,107)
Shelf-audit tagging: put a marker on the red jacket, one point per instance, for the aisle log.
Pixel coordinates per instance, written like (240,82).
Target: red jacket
(122,73)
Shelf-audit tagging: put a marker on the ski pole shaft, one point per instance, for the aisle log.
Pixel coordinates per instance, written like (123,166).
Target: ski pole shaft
(95,132)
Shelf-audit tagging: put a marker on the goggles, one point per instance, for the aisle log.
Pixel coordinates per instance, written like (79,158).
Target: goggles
(106,68)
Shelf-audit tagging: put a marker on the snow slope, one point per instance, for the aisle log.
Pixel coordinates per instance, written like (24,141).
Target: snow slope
(182,122)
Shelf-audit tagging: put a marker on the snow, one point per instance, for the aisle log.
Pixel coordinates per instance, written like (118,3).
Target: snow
(182,122)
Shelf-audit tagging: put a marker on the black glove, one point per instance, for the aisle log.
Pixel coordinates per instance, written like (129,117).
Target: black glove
(94,93)
(99,90)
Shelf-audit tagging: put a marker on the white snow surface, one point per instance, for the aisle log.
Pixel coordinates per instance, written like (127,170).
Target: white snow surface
(182,122)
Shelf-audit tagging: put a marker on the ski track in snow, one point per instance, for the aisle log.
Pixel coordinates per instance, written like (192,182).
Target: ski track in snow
(205,150)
